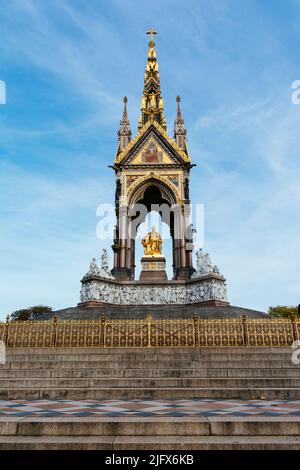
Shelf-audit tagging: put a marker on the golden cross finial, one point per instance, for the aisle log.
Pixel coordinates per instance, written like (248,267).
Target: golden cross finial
(151,32)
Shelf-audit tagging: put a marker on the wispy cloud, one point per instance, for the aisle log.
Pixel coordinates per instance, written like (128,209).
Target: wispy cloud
(257,202)
(48,236)
(46,44)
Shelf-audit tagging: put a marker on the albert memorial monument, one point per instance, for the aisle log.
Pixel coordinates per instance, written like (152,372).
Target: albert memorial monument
(153,170)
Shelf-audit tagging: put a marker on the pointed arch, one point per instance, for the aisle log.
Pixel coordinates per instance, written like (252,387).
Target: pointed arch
(167,189)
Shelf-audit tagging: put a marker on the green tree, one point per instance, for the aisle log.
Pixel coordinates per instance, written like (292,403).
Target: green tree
(283,311)
(31,313)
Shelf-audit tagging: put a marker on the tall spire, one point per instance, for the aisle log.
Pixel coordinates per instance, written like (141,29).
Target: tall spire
(152,104)
(179,129)
(124,132)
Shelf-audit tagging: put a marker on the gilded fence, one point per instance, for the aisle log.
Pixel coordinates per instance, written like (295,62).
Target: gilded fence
(149,332)
(271,333)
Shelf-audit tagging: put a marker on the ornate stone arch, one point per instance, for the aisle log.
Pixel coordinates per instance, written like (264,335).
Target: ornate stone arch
(168,190)
(167,194)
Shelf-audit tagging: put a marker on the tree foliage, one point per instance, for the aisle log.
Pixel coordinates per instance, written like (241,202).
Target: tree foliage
(283,311)
(31,313)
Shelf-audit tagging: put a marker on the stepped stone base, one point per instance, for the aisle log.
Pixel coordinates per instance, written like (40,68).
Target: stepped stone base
(214,309)
(156,373)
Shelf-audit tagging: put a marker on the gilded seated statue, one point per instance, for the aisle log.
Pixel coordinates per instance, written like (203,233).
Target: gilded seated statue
(152,243)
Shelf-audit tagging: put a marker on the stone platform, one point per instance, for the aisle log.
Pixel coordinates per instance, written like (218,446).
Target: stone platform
(94,310)
(150,425)
(150,408)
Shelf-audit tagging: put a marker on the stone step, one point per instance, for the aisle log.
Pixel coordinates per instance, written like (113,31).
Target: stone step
(138,364)
(161,382)
(167,351)
(117,393)
(56,443)
(150,357)
(149,373)
(191,350)
(150,426)
(207,443)
(187,433)
(94,373)
(152,443)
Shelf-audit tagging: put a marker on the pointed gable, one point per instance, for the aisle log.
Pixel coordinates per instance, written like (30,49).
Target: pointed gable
(152,145)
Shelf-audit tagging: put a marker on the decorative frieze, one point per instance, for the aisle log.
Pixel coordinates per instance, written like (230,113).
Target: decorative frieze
(153,265)
(117,293)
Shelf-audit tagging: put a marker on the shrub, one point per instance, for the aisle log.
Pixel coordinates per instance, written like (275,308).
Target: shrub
(31,313)
(283,311)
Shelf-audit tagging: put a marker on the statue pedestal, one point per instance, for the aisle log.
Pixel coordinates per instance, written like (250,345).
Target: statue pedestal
(153,268)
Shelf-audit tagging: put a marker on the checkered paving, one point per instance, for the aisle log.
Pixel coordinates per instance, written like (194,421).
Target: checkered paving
(171,408)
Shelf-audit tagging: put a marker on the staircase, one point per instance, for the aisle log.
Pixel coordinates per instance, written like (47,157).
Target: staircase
(100,374)
(175,373)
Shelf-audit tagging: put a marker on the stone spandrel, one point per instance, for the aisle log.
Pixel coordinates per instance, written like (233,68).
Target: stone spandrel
(118,294)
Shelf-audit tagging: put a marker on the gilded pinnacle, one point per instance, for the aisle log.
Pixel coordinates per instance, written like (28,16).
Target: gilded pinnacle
(152,103)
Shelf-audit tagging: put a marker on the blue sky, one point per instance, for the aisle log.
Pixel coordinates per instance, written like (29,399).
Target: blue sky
(68,64)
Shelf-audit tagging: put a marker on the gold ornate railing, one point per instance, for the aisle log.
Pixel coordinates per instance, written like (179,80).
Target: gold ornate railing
(149,332)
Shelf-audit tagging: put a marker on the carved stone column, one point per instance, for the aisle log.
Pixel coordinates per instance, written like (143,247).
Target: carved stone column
(122,271)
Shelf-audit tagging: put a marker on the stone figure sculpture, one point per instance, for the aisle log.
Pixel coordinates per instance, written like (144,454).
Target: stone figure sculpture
(93,269)
(104,260)
(204,264)
(104,271)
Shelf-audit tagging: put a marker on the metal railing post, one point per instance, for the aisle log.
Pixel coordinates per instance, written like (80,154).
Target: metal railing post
(6,331)
(54,332)
(196,332)
(102,331)
(294,328)
(149,319)
(245,331)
